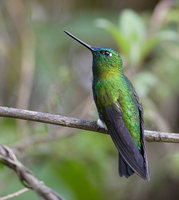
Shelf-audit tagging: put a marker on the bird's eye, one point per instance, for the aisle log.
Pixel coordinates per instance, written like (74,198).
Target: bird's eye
(107,53)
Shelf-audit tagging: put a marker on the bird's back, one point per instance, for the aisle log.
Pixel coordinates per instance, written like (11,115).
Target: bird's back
(130,108)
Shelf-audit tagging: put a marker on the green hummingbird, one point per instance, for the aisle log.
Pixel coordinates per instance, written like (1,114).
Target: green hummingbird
(119,109)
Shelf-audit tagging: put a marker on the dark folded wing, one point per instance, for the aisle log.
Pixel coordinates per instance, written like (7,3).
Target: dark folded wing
(143,150)
(123,140)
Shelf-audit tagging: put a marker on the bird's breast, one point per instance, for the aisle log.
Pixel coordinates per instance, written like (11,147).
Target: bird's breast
(105,92)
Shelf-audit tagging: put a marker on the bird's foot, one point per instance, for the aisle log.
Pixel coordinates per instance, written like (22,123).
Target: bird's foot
(101,124)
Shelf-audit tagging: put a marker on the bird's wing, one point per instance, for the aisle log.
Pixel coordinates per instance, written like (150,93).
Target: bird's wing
(143,149)
(123,140)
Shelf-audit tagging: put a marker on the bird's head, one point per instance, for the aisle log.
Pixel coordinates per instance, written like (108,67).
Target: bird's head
(105,60)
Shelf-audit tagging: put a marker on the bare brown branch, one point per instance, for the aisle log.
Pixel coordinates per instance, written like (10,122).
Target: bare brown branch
(151,136)
(8,158)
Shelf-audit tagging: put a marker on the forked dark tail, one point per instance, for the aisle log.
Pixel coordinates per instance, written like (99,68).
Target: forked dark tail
(124,169)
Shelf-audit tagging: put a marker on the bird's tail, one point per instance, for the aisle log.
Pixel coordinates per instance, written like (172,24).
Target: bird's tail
(124,169)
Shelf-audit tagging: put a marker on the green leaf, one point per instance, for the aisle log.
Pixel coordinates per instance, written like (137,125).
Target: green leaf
(153,41)
(168,35)
(132,26)
(122,43)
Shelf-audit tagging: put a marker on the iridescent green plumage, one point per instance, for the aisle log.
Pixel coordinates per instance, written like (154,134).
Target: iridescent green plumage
(109,79)
(119,108)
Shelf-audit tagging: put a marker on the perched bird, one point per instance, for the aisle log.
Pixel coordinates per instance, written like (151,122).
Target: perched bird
(119,109)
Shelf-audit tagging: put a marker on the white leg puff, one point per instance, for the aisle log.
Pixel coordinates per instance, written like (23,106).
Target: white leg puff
(101,124)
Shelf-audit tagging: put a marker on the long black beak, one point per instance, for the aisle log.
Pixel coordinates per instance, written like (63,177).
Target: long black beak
(80,41)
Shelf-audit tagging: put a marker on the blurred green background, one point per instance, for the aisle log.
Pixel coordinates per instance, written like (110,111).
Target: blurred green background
(42,69)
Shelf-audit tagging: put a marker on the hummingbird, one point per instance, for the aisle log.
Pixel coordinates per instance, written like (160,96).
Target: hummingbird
(119,110)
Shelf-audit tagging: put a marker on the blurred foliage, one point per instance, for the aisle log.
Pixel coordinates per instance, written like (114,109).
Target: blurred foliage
(42,69)
(132,37)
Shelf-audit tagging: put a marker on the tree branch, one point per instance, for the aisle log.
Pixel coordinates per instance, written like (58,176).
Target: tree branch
(15,194)
(8,158)
(151,136)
